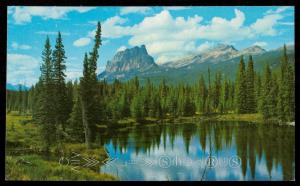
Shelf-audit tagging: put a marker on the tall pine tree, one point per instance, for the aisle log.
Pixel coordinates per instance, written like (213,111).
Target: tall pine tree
(286,102)
(46,112)
(59,68)
(241,88)
(250,92)
(88,90)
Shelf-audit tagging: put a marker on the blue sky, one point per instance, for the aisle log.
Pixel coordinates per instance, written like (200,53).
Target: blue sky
(168,33)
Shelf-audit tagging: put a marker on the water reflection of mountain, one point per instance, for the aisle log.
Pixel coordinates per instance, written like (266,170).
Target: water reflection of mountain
(252,142)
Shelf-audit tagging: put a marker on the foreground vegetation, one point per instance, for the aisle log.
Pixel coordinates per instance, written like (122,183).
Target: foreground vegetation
(33,167)
(26,159)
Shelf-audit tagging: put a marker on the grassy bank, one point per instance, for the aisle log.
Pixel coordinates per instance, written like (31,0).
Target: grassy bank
(24,144)
(256,117)
(234,117)
(188,119)
(33,167)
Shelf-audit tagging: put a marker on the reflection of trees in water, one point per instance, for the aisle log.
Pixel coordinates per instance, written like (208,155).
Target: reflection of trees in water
(251,150)
(188,131)
(275,143)
(253,141)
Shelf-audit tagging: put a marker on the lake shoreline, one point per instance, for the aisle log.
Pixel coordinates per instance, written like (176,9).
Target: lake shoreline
(33,165)
(257,118)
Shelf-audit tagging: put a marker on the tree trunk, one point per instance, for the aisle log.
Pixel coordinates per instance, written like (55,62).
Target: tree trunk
(87,128)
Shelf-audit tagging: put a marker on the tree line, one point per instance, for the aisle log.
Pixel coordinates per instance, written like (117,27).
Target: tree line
(71,110)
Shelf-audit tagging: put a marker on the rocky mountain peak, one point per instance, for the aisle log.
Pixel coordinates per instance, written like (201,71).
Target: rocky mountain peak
(223,47)
(253,50)
(136,58)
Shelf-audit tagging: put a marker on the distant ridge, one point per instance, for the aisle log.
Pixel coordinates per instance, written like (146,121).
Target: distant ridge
(13,87)
(225,58)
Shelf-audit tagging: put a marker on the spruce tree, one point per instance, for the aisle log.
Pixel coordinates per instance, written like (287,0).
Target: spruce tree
(257,89)
(24,104)
(274,96)
(85,100)
(171,102)
(180,101)
(147,95)
(136,108)
(46,106)
(202,95)
(250,92)
(209,98)
(20,99)
(188,104)
(225,96)
(163,91)
(75,121)
(88,90)
(241,88)
(217,90)
(59,68)
(286,102)
(266,102)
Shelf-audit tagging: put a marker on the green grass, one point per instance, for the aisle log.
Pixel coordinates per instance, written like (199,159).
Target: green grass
(23,141)
(234,117)
(97,153)
(33,167)
(21,132)
(256,117)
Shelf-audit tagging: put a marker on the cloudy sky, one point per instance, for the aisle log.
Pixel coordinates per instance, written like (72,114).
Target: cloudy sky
(167,32)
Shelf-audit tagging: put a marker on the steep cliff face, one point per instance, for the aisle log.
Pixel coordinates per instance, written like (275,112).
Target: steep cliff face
(128,63)
(134,59)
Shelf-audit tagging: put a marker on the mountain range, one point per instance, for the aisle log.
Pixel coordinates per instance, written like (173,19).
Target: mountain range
(225,58)
(13,87)
(136,61)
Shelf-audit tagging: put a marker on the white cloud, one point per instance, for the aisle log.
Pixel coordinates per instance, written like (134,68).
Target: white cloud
(20,68)
(167,37)
(121,48)
(176,7)
(100,69)
(167,57)
(278,10)
(290,43)
(17,46)
(265,25)
(23,15)
(134,9)
(82,42)
(224,30)
(105,42)
(111,28)
(71,75)
(260,43)
(52,33)
(9,10)
(204,46)
(159,47)
(93,22)
(286,23)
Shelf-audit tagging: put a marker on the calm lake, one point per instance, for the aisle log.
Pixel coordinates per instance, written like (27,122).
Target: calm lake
(202,151)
